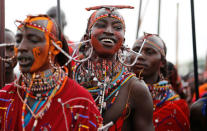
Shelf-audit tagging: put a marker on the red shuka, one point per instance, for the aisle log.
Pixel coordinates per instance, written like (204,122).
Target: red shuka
(73,108)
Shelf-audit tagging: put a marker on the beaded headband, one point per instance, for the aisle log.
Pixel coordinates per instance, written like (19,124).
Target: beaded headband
(36,26)
(154,44)
(109,9)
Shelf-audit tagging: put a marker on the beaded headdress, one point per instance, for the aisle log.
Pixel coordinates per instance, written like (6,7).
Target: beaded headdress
(108,12)
(154,44)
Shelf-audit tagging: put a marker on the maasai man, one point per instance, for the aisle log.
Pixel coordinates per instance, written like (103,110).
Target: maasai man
(10,58)
(170,112)
(44,98)
(117,92)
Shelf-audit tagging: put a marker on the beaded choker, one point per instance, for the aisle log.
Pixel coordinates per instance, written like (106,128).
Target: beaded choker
(162,91)
(43,81)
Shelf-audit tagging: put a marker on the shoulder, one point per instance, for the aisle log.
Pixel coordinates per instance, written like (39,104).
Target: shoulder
(139,92)
(7,90)
(139,87)
(196,107)
(198,115)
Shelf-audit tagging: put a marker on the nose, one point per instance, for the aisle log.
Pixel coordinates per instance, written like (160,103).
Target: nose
(109,30)
(22,47)
(142,56)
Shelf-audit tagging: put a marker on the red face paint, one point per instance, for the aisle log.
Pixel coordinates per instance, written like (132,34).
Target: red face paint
(107,36)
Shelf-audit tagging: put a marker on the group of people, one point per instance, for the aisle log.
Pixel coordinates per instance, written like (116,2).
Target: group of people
(108,86)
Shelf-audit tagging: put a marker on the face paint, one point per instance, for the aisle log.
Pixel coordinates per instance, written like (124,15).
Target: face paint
(41,48)
(107,32)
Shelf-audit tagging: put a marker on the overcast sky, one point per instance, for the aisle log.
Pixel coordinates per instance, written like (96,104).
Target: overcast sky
(77,18)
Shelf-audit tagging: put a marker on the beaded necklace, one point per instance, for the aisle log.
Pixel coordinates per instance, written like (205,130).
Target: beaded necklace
(162,91)
(103,80)
(48,96)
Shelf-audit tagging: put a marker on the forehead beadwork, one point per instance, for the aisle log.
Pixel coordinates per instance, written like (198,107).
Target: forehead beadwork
(106,11)
(154,43)
(30,24)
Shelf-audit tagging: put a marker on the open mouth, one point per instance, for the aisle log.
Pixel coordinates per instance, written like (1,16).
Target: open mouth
(24,61)
(108,42)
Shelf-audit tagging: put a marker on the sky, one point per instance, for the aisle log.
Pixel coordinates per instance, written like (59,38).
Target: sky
(77,17)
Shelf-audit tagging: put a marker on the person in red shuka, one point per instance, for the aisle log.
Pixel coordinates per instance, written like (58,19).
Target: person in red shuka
(169,111)
(44,97)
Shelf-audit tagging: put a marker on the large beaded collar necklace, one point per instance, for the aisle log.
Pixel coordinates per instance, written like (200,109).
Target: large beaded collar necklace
(42,94)
(103,79)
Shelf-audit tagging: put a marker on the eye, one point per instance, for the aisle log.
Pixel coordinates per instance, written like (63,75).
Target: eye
(100,25)
(18,39)
(118,26)
(34,39)
(136,49)
(150,51)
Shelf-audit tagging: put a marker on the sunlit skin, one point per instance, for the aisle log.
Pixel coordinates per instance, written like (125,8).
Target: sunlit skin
(9,52)
(150,61)
(33,50)
(107,37)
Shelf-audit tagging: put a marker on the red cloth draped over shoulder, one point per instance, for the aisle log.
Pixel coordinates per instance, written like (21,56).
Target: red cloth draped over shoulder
(172,115)
(73,108)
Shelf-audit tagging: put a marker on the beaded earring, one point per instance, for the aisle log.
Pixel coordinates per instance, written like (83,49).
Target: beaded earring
(161,76)
(51,63)
(139,77)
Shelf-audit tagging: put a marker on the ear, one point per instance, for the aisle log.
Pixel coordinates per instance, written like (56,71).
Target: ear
(163,63)
(54,50)
(85,37)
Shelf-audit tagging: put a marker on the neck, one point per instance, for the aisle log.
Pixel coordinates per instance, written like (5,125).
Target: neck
(9,77)
(152,78)
(40,82)
(95,57)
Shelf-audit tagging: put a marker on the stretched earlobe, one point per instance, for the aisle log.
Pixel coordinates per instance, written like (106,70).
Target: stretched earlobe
(54,50)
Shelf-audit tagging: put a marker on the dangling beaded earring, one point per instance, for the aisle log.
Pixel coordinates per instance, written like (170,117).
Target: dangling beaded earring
(161,76)
(139,77)
(51,63)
